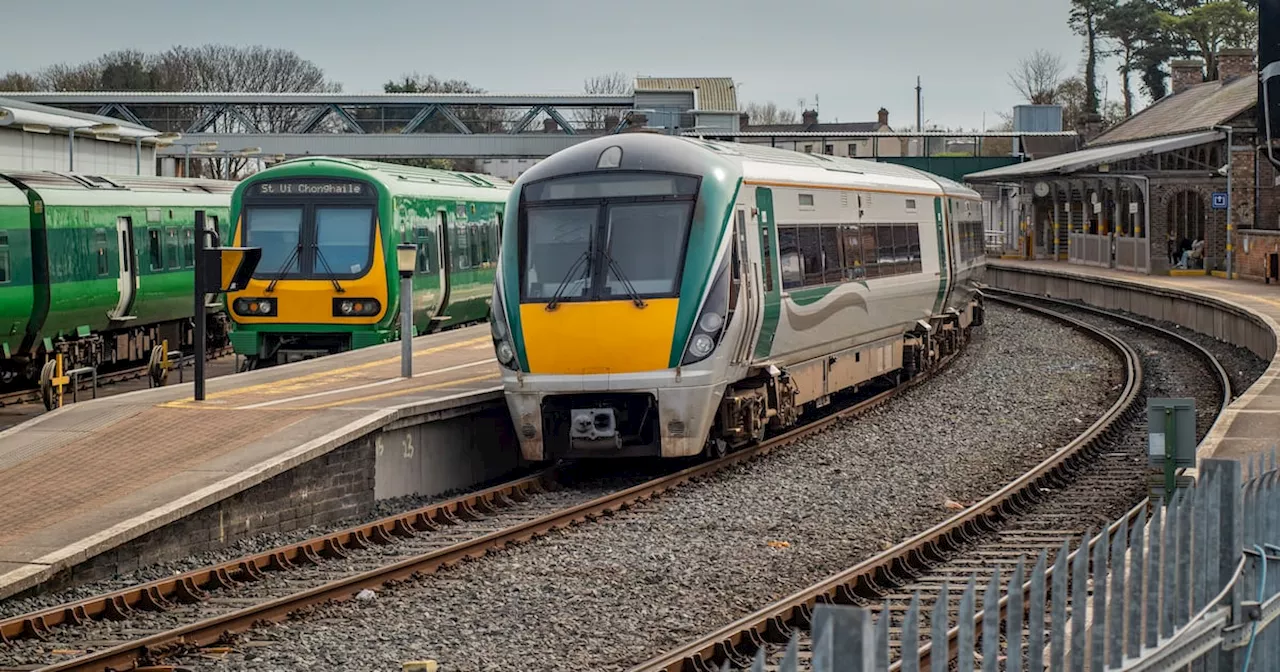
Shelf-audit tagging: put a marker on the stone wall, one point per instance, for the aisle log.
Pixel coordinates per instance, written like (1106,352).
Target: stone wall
(1252,250)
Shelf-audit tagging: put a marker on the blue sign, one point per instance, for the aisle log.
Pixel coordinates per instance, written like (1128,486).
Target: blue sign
(1219,200)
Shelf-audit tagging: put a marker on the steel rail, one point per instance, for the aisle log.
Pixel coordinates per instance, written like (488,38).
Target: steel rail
(153,648)
(740,640)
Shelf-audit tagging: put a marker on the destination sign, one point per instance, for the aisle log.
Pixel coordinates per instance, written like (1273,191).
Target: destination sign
(311,189)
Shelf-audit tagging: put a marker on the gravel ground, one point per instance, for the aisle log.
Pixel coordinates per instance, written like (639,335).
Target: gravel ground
(609,594)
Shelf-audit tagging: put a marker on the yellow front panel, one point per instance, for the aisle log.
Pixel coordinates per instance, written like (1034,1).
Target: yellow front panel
(598,337)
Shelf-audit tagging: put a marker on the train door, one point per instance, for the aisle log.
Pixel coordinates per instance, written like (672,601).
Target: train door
(746,287)
(127,282)
(444,266)
(946,252)
(771,282)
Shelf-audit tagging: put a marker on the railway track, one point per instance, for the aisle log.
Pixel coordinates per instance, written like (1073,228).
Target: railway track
(1042,516)
(210,606)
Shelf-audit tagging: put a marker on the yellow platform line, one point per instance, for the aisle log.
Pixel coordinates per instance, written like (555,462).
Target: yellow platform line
(396,393)
(329,375)
(388,381)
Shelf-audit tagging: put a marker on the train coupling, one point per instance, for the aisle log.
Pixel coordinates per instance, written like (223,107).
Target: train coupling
(594,428)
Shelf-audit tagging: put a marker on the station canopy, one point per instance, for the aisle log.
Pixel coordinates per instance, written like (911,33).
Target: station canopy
(1090,159)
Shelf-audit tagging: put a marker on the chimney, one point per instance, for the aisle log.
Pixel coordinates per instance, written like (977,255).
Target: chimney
(883,117)
(1186,74)
(1092,126)
(809,117)
(744,121)
(549,126)
(1234,64)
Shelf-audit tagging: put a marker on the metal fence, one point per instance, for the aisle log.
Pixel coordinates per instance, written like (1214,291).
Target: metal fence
(1193,585)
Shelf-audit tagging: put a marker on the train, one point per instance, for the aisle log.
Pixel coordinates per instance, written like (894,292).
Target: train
(677,297)
(98,268)
(328,229)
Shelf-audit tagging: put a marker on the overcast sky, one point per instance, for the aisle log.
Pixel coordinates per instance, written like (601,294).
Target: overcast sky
(854,55)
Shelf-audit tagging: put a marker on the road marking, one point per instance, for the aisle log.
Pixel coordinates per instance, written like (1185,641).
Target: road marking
(388,381)
(396,393)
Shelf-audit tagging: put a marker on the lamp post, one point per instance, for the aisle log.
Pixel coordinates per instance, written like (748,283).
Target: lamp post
(1230,156)
(406,257)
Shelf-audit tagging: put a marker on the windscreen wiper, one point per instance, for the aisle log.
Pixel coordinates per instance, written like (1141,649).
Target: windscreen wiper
(284,270)
(626,284)
(564,283)
(320,255)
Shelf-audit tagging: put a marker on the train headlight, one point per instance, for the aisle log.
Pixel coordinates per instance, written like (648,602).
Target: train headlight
(499,331)
(254,307)
(710,325)
(356,307)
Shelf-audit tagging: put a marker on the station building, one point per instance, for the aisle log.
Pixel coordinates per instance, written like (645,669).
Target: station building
(37,137)
(1137,193)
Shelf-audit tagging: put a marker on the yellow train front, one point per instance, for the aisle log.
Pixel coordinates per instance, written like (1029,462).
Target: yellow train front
(610,299)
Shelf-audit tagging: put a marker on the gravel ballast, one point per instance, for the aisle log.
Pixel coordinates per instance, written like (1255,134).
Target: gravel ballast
(608,595)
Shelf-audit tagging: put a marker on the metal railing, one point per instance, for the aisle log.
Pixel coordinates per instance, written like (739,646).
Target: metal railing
(1196,585)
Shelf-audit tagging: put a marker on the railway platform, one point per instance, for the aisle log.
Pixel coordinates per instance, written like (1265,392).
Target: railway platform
(1251,424)
(90,477)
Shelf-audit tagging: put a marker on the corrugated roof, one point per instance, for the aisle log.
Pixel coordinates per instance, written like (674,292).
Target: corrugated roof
(1065,164)
(63,119)
(1197,108)
(714,94)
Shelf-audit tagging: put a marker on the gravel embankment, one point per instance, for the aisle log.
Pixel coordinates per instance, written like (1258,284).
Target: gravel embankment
(609,594)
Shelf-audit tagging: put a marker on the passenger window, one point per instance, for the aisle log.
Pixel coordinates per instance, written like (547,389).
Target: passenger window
(885,254)
(833,270)
(157,254)
(189,248)
(917,261)
(811,252)
(171,248)
(100,251)
(853,269)
(4,238)
(901,248)
(4,267)
(870,259)
(789,258)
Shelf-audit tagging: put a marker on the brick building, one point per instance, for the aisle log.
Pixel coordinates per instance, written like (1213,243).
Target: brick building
(1149,182)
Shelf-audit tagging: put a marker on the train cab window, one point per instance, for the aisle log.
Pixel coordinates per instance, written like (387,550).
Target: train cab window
(833,269)
(789,257)
(852,241)
(558,240)
(100,252)
(344,240)
(426,249)
(171,250)
(646,241)
(188,248)
(811,254)
(153,246)
(277,231)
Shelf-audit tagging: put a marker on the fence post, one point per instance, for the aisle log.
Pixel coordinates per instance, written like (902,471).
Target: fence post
(1226,479)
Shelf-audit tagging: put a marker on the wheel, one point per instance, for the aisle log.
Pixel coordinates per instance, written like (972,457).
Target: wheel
(46,385)
(716,448)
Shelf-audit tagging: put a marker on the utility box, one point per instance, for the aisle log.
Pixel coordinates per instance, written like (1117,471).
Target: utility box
(1171,440)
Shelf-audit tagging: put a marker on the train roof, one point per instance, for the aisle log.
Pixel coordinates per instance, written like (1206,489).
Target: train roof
(770,165)
(10,195)
(62,188)
(400,179)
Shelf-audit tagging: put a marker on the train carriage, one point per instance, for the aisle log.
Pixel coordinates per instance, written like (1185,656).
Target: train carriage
(665,296)
(98,268)
(328,277)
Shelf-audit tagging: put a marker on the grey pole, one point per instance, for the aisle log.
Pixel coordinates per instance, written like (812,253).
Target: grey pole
(200,316)
(186,163)
(406,257)
(1230,157)
(139,155)
(71,150)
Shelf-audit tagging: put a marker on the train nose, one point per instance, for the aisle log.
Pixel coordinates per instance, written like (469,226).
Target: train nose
(585,338)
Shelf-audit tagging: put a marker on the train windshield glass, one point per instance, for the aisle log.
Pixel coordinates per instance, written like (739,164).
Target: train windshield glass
(559,247)
(344,238)
(605,236)
(276,231)
(646,242)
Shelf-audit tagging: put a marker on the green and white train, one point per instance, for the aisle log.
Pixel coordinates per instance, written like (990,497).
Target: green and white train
(664,296)
(97,268)
(328,278)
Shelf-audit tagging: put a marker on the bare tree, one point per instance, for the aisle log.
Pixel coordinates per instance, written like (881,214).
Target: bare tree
(615,83)
(759,114)
(1038,77)
(19,81)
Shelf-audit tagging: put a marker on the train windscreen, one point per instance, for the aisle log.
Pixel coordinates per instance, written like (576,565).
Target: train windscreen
(311,228)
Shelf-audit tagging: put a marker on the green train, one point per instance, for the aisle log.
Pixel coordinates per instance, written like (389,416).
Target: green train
(328,277)
(99,268)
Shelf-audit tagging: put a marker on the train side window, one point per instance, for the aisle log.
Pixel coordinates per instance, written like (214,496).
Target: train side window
(499,227)
(157,254)
(189,248)
(789,257)
(851,238)
(172,249)
(811,252)
(422,234)
(4,257)
(870,258)
(212,225)
(833,268)
(884,250)
(901,248)
(766,251)
(4,239)
(913,237)
(100,251)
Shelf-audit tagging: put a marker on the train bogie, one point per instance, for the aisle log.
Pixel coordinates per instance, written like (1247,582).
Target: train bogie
(668,296)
